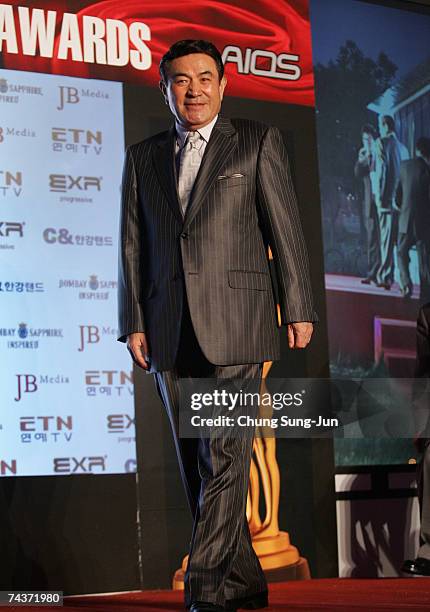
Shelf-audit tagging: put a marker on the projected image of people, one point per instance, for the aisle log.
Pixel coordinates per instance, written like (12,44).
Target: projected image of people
(372,84)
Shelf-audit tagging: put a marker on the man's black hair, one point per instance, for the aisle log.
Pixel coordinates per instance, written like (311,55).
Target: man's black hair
(423,146)
(368,128)
(389,122)
(185,47)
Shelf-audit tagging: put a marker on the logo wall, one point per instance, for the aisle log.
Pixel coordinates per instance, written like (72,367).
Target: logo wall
(67,393)
(266,47)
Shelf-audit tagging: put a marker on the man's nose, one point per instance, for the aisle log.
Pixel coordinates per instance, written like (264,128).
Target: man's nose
(194,89)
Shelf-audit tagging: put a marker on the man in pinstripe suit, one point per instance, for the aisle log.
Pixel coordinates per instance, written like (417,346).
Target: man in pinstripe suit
(201,203)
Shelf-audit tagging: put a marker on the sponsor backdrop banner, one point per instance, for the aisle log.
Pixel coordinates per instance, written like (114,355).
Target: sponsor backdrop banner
(66,384)
(266,45)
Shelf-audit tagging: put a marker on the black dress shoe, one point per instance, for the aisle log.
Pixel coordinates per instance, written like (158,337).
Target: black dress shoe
(204,606)
(386,285)
(367,280)
(249,602)
(418,566)
(407,291)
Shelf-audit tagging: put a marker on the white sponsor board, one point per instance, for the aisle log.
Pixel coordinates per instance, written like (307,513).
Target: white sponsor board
(66,390)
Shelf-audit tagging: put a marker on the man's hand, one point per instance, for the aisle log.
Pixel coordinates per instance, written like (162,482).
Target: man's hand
(138,347)
(299,334)
(363,155)
(396,208)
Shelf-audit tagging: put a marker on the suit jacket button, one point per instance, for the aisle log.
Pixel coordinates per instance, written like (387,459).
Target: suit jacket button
(184,235)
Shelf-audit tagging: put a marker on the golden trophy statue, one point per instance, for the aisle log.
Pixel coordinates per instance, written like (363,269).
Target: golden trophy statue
(279,559)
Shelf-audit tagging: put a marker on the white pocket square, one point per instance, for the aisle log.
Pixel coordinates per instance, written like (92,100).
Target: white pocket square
(224,176)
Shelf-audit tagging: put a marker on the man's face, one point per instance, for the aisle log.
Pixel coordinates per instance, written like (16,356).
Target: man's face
(383,128)
(367,140)
(193,90)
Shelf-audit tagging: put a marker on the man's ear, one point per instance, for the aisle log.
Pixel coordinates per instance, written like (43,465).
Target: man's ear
(162,86)
(222,86)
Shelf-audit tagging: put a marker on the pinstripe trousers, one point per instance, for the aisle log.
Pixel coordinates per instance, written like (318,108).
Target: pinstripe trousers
(222,564)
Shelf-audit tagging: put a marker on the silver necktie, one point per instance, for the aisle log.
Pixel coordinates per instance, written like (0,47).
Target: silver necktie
(188,167)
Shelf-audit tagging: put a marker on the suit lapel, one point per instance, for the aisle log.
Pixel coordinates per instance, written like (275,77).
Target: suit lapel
(164,162)
(221,145)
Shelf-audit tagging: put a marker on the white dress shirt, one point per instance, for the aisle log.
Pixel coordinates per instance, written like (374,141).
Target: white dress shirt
(181,137)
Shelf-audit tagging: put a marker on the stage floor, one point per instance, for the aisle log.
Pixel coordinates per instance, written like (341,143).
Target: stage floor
(335,595)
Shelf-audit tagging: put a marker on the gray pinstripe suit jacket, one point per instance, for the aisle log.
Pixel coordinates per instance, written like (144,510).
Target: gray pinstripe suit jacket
(242,201)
